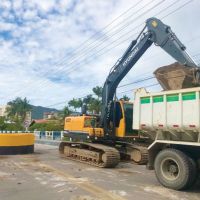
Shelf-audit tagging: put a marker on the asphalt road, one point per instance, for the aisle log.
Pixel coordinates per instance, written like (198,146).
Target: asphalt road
(45,175)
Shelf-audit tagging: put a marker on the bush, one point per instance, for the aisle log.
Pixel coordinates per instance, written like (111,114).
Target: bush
(14,127)
(46,127)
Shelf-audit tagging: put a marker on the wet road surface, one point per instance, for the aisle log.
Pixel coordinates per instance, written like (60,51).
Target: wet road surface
(45,175)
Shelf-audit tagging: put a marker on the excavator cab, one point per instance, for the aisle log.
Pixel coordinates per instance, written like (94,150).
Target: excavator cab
(122,119)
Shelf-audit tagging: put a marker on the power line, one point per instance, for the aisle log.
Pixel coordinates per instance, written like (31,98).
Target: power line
(148,78)
(171,12)
(154,77)
(177,9)
(138,81)
(126,24)
(90,50)
(66,101)
(137,88)
(120,42)
(195,55)
(135,82)
(91,55)
(81,47)
(132,29)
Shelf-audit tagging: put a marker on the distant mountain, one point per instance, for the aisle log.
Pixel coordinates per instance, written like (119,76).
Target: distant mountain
(38,111)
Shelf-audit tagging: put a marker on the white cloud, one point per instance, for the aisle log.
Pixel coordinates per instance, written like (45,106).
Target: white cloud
(7,26)
(44,5)
(30,15)
(5,4)
(44,32)
(17,4)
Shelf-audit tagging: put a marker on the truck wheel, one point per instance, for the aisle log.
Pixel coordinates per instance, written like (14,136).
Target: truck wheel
(174,169)
(194,174)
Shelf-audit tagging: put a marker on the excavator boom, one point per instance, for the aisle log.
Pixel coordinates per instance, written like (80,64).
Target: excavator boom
(113,138)
(155,32)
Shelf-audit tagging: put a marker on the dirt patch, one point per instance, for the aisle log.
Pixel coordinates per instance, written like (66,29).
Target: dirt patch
(128,172)
(83,198)
(3,157)
(4,175)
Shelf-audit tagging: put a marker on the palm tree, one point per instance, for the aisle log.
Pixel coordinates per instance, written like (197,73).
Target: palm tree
(66,111)
(98,91)
(18,108)
(96,103)
(75,103)
(126,98)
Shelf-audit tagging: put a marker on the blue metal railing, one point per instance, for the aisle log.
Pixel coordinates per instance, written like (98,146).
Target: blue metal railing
(39,135)
(15,132)
(49,135)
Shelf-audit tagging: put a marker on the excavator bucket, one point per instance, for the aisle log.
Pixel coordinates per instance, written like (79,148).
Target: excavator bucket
(177,76)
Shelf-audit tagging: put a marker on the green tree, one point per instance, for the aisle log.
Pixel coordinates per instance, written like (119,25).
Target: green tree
(50,126)
(95,104)
(10,126)
(75,103)
(98,91)
(126,98)
(2,123)
(17,109)
(87,100)
(66,111)
(14,127)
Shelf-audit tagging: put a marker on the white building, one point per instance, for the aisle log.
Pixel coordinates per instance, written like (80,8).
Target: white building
(3,110)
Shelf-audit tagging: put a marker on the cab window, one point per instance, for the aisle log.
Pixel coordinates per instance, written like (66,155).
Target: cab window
(90,122)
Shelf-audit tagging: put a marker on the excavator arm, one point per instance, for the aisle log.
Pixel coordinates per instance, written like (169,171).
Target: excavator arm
(154,32)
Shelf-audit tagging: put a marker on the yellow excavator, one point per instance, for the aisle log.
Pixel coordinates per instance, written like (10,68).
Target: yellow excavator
(103,140)
(91,144)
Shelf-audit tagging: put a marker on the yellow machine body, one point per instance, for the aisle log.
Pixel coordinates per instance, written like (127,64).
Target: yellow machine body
(124,120)
(121,129)
(18,139)
(16,143)
(88,125)
(83,124)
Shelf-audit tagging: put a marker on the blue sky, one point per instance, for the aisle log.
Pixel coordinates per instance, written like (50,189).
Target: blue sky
(44,56)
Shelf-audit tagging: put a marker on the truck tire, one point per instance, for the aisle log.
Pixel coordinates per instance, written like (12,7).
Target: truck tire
(194,174)
(174,169)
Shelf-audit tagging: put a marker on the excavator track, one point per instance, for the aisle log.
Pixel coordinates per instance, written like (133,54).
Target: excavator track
(138,153)
(93,154)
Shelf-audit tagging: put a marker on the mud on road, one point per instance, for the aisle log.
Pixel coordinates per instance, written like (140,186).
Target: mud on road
(46,175)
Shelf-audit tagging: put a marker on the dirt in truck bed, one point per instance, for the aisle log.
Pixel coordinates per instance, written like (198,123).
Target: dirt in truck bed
(176,76)
(46,175)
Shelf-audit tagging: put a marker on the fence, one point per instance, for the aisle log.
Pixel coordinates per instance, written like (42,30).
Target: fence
(48,135)
(39,135)
(15,132)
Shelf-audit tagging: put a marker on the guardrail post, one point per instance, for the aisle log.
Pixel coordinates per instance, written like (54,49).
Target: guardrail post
(52,135)
(61,135)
